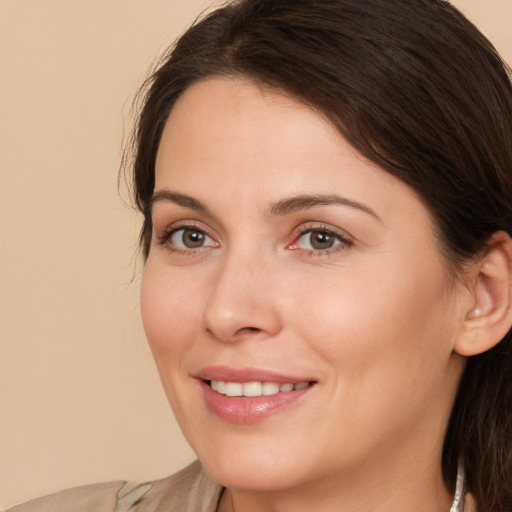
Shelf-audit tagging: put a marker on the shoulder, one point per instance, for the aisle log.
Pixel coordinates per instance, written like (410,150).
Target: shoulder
(97,497)
(189,490)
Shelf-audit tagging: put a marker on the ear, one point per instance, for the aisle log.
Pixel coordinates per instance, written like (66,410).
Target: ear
(488,317)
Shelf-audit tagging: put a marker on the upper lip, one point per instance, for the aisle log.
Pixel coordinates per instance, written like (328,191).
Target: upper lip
(228,374)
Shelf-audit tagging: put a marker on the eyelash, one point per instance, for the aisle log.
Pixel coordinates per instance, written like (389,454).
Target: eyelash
(343,244)
(168,233)
(343,241)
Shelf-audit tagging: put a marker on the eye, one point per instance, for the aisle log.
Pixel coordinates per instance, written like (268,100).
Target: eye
(190,238)
(186,238)
(319,240)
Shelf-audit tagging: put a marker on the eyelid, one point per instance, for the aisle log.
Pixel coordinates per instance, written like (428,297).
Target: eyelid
(344,238)
(163,237)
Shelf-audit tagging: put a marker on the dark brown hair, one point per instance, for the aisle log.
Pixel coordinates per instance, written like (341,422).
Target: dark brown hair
(417,89)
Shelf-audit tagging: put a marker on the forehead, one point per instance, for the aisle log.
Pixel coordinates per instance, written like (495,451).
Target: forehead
(221,110)
(222,125)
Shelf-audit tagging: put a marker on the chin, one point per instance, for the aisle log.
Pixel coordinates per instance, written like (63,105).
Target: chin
(251,475)
(253,461)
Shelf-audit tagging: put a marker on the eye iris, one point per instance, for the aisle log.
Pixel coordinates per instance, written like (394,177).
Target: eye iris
(321,240)
(193,238)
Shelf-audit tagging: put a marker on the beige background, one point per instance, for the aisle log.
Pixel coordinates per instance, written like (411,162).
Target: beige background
(80,400)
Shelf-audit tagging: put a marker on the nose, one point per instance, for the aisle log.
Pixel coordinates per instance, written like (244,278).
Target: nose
(242,303)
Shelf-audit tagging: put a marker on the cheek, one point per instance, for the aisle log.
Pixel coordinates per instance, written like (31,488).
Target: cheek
(170,310)
(393,323)
(386,353)
(171,315)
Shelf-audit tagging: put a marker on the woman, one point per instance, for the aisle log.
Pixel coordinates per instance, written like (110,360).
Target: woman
(326,190)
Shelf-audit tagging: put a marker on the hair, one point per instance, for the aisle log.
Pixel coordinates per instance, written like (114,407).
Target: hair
(417,89)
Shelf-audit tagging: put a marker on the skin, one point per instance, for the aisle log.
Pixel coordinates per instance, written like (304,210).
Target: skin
(373,320)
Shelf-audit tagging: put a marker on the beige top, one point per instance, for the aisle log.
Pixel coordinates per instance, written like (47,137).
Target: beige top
(190,490)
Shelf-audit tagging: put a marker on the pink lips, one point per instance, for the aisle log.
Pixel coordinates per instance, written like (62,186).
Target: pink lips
(241,409)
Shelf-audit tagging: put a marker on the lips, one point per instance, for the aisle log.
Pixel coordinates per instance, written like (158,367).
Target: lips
(250,395)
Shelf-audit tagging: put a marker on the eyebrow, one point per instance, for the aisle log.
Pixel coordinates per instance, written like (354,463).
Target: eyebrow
(303,202)
(283,207)
(179,199)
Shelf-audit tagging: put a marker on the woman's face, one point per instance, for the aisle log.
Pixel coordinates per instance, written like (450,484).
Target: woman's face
(286,267)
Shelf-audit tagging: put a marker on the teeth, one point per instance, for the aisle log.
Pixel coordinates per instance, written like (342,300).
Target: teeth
(219,386)
(252,389)
(234,389)
(270,388)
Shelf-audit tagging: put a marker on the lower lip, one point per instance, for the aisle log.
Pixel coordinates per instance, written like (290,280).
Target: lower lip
(242,409)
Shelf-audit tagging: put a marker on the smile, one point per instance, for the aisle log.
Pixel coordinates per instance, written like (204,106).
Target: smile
(251,402)
(254,389)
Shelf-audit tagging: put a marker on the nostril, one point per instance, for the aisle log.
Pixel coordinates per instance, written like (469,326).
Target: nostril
(246,330)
